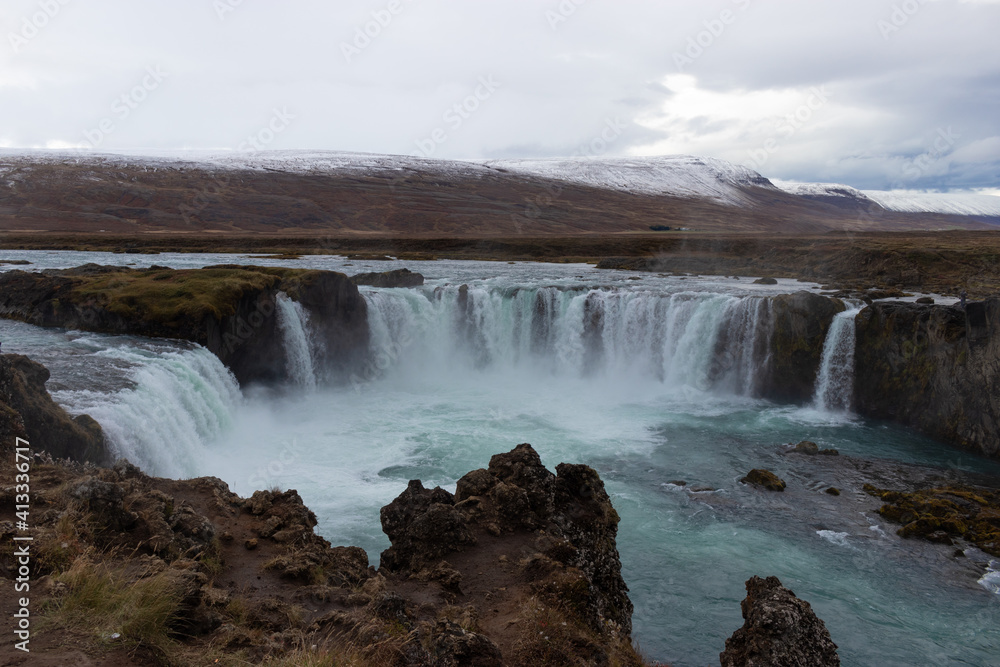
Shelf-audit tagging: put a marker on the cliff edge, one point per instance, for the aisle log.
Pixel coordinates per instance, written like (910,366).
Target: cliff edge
(231,310)
(935,368)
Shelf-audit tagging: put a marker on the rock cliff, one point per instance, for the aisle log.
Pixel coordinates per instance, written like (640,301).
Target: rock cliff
(229,309)
(935,368)
(27,411)
(780,630)
(799,324)
(556,531)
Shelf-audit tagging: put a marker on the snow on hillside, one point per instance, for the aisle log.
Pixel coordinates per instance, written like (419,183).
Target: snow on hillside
(950,203)
(937,202)
(819,189)
(293,161)
(675,175)
(678,176)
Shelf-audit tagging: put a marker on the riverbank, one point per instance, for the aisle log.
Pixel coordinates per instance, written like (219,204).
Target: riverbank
(944,262)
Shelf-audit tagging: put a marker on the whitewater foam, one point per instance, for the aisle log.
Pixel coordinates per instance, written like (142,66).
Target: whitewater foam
(293,321)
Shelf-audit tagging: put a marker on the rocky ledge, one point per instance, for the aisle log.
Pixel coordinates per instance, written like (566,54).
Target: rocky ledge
(935,368)
(28,411)
(231,310)
(779,629)
(944,514)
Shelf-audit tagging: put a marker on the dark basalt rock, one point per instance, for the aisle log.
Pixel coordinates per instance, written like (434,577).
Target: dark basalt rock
(423,525)
(945,514)
(810,448)
(518,495)
(453,646)
(396,278)
(764,479)
(235,310)
(28,411)
(934,368)
(798,323)
(765,281)
(780,630)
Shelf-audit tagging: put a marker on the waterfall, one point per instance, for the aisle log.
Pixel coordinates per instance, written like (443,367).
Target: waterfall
(835,382)
(293,321)
(179,402)
(702,340)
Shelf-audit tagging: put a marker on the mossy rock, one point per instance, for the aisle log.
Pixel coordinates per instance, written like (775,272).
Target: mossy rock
(945,514)
(764,479)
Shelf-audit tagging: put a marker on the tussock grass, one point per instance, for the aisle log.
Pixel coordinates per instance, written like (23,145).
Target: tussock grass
(185,295)
(102,604)
(165,297)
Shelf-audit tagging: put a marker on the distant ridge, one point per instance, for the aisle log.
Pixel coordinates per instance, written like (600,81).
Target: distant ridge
(336,193)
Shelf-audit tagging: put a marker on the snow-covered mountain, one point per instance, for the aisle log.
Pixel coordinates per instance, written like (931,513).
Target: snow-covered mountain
(309,190)
(948,203)
(935,202)
(673,175)
(681,176)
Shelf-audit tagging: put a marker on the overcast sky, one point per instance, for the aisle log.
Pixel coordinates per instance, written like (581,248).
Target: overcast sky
(877,94)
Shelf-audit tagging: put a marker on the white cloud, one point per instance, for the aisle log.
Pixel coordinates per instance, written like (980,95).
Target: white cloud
(560,85)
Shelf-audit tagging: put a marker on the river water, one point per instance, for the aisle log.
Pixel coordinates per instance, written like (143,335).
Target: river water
(649,379)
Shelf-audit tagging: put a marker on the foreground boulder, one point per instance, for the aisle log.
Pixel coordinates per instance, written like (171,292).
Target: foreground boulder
(780,630)
(516,527)
(231,310)
(935,368)
(28,411)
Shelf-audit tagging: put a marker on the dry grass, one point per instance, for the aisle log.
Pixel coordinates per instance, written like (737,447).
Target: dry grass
(100,603)
(170,296)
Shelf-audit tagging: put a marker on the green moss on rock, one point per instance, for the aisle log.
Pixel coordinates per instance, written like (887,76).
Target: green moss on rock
(945,514)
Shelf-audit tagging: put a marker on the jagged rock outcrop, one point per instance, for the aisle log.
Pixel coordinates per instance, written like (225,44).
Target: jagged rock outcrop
(799,322)
(935,368)
(28,411)
(395,278)
(250,575)
(780,630)
(229,309)
(565,520)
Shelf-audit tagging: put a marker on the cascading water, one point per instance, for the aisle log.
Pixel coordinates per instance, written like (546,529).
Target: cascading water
(702,340)
(180,402)
(606,376)
(835,381)
(293,321)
